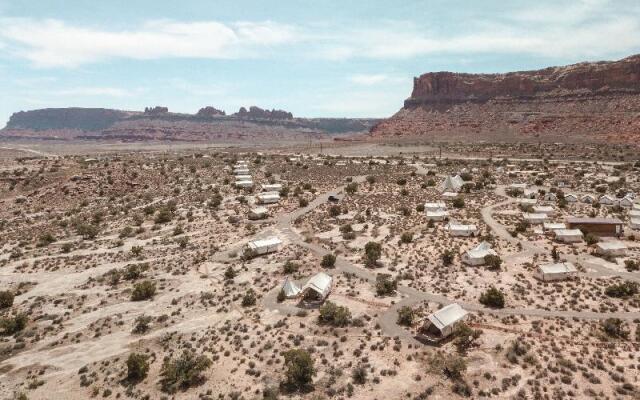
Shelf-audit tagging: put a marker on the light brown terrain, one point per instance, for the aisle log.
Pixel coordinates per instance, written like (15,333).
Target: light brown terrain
(89,229)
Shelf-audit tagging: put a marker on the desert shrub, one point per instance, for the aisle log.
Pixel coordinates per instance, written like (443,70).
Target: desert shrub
(351,188)
(406,316)
(614,327)
(334,315)
(143,291)
(420,208)
(87,231)
(522,226)
(385,285)
(518,348)
(359,375)
(230,273)
(299,370)
(183,372)
(334,211)
(623,289)
(142,324)
(6,299)
(136,250)
(249,298)
(466,337)
(163,216)
(290,267)
(137,367)
(46,239)
(632,265)
(302,202)
(373,252)
(591,239)
(328,261)
(406,237)
(447,257)
(454,366)
(11,325)
(282,296)
(493,261)
(493,297)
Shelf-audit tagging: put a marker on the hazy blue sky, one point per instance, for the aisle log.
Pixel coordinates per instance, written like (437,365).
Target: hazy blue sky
(312,57)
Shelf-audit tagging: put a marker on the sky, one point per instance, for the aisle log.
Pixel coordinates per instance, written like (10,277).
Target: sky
(315,58)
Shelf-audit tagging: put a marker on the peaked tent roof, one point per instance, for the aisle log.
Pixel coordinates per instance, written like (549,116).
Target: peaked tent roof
(447,315)
(290,288)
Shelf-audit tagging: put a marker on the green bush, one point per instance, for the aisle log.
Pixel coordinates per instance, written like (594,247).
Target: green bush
(282,296)
(299,370)
(614,327)
(591,239)
(6,299)
(406,237)
(493,298)
(622,290)
(137,367)
(447,257)
(183,372)
(334,315)
(12,324)
(406,315)
(373,252)
(493,261)
(143,291)
(249,298)
(385,285)
(328,261)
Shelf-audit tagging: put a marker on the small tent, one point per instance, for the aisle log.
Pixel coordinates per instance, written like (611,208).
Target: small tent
(290,288)
(446,320)
(319,285)
(556,272)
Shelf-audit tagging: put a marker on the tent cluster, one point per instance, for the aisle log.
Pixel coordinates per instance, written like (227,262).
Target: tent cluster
(318,286)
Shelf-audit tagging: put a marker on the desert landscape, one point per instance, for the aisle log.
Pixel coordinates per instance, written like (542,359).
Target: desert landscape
(241,200)
(143,275)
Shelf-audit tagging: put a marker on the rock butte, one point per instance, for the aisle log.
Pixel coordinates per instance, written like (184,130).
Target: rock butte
(593,101)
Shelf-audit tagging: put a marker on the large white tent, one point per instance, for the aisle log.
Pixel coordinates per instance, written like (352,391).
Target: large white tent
(452,184)
(320,283)
(476,255)
(447,319)
(555,272)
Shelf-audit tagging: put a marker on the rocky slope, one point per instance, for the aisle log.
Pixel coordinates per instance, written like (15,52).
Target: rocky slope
(158,123)
(586,101)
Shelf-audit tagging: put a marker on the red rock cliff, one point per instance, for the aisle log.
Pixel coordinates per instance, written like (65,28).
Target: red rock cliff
(588,98)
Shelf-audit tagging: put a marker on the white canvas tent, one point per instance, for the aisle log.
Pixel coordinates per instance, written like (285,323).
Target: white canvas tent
(476,255)
(569,235)
(588,198)
(244,178)
(264,246)
(320,283)
(555,272)
(457,229)
(268,197)
(258,213)
(244,184)
(571,198)
(611,248)
(548,210)
(241,171)
(554,226)
(275,187)
(290,288)
(446,320)
(634,223)
(452,184)
(435,206)
(535,218)
(438,215)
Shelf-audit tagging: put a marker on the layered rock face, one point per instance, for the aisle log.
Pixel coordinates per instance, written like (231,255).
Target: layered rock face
(599,101)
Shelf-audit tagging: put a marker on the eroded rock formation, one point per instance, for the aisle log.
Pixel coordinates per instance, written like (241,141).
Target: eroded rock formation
(599,101)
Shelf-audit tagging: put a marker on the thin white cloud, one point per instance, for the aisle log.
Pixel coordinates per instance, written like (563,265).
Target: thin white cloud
(96,91)
(54,43)
(376,79)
